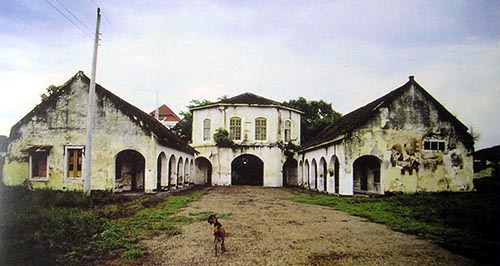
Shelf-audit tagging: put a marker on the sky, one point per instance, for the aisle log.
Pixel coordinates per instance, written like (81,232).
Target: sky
(171,52)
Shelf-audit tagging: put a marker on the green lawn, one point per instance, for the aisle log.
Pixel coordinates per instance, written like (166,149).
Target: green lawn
(466,223)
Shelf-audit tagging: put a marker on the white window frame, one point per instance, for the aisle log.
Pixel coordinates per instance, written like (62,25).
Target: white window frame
(38,178)
(284,131)
(73,147)
(208,136)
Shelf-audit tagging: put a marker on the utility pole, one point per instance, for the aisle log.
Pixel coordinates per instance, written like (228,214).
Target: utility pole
(87,166)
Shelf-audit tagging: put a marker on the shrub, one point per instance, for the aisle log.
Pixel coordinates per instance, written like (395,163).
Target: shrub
(221,138)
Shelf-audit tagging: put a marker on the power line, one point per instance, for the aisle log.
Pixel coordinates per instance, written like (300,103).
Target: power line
(72,14)
(96,5)
(68,19)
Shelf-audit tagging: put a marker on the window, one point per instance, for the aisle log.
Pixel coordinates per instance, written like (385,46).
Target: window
(38,162)
(434,145)
(74,160)
(235,128)
(288,130)
(38,166)
(260,129)
(206,129)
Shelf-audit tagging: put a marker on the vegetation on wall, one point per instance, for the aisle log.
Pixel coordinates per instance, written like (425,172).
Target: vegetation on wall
(222,139)
(49,91)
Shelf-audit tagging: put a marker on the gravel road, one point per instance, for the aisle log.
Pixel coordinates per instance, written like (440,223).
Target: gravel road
(266,228)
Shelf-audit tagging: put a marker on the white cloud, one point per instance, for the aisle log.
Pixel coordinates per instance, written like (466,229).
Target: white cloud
(348,53)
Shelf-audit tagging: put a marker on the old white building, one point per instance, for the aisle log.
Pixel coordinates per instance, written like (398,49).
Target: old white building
(405,141)
(261,131)
(132,151)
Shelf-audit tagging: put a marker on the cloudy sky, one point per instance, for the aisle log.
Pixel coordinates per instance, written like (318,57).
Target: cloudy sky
(344,52)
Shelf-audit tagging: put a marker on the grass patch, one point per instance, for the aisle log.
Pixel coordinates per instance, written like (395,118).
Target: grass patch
(68,228)
(467,223)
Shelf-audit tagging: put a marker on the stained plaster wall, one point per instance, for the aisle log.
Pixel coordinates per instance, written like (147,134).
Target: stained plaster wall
(63,124)
(268,151)
(395,136)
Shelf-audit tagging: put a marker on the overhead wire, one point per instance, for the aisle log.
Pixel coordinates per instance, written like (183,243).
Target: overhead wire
(73,15)
(86,33)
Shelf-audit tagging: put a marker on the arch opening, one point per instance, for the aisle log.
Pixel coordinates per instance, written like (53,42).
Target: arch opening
(129,171)
(289,172)
(203,170)
(247,169)
(366,174)
(161,173)
(334,171)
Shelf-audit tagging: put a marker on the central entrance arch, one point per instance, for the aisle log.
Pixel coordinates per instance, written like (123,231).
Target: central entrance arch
(247,169)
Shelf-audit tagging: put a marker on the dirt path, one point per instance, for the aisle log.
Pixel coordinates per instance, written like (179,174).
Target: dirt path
(266,228)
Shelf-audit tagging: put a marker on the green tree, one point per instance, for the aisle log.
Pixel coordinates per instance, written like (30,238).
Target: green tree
(184,127)
(317,115)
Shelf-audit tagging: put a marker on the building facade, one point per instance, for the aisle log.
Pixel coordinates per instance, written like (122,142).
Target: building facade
(132,151)
(260,129)
(405,141)
(166,116)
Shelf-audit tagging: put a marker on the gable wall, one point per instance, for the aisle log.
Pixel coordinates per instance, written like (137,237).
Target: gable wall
(395,136)
(64,124)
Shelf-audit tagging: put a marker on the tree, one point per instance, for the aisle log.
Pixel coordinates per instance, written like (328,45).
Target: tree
(184,127)
(317,115)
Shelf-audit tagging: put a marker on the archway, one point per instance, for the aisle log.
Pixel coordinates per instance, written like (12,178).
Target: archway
(186,172)
(129,171)
(334,171)
(366,174)
(301,173)
(180,172)
(172,174)
(314,173)
(247,169)
(289,172)
(307,175)
(204,168)
(161,172)
(323,174)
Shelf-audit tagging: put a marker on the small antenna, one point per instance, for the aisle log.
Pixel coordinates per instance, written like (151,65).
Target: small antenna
(157,109)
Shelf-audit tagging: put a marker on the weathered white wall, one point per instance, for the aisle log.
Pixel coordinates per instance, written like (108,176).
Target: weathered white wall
(395,136)
(63,124)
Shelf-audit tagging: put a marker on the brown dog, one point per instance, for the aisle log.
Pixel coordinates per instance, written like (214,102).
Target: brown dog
(219,233)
